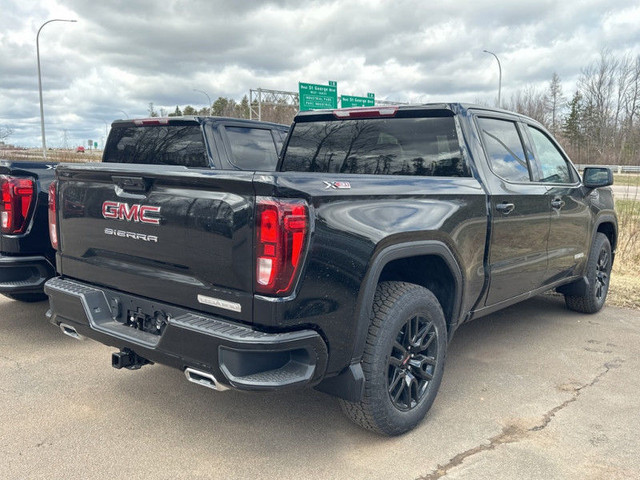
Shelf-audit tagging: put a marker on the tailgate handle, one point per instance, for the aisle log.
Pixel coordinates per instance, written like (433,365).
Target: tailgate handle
(132,184)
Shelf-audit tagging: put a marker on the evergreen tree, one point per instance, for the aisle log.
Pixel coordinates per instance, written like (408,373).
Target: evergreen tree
(571,127)
(242,108)
(189,110)
(220,107)
(176,113)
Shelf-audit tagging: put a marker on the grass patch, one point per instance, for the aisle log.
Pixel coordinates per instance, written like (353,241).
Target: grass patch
(625,278)
(624,290)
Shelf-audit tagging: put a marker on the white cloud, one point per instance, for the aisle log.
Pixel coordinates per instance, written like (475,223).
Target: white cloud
(121,55)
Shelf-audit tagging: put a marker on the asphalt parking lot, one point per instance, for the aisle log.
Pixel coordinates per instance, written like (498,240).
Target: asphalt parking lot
(534,391)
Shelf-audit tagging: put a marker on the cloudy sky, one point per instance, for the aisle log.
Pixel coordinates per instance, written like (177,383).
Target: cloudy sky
(123,54)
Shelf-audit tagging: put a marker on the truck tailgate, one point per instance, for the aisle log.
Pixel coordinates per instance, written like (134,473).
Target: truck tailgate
(179,235)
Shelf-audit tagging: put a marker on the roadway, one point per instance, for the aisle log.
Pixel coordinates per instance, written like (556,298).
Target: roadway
(534,391)
(626,192)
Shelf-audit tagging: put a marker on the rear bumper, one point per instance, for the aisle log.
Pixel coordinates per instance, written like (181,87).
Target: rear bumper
(236,355)
(24,274)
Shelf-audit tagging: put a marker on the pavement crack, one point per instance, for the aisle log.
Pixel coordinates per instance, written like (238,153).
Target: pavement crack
(515,433)
(546,419)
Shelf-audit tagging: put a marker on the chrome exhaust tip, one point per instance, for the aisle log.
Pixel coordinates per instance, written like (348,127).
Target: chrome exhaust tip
(71,331)
(203,379)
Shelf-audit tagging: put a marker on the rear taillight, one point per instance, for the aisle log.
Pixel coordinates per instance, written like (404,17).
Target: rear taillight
(53,223)
(281,234)
(17,198)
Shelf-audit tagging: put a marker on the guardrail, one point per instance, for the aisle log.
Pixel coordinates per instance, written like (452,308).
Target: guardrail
(614,168)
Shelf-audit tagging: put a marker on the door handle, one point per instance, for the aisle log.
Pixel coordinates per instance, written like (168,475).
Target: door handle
(557,203)
(505,207)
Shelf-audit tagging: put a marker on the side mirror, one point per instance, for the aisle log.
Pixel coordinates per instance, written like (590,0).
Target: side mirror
(595,177)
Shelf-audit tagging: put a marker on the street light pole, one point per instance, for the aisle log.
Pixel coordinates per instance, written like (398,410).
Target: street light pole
(125,113)
(500,72)
(44,142)
(208,98)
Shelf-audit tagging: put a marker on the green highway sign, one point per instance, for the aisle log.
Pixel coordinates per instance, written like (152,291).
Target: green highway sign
(313,96)
(348,101)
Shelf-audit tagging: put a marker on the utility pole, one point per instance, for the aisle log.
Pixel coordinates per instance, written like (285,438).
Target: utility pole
(208,98)
(500,73)
(44,142)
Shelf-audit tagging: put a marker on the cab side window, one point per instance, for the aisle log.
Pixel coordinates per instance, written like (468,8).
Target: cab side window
(553,165)
(504,149)
(252,148)
(278,137)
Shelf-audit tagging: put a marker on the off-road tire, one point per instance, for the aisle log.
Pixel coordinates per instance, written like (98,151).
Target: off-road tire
(395,305)
(598,274)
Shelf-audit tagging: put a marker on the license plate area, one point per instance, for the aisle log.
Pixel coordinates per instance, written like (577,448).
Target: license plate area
(152,322)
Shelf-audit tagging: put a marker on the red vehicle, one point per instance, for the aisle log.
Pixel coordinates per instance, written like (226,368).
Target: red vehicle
(80,149)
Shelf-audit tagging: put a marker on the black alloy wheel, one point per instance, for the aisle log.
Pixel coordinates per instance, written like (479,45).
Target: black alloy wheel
(412,362)
(602,274)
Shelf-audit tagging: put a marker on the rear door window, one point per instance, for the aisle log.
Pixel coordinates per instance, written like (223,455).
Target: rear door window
(157,145)
(504,149)
(252,148)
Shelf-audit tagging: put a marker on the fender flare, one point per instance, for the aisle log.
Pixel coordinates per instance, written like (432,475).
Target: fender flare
(605,218)
(396,252)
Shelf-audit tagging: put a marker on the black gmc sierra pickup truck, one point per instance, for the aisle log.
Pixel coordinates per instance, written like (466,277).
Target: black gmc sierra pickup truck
(26,257)
(348,269)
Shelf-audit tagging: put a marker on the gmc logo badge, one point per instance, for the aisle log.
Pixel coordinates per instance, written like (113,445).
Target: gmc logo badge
(133,213)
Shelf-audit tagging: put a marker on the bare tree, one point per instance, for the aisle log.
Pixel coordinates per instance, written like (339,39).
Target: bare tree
(152,111)
(279,112)
(5,132)
(598,86)
(530,102)
(555,102)
(628,97)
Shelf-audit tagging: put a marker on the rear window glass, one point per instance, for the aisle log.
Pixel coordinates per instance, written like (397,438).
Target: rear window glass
(157,145)
(379,146)
(252,148)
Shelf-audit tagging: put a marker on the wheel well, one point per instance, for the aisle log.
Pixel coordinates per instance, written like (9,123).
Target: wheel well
(429,271)
(609,230)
